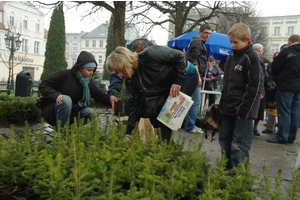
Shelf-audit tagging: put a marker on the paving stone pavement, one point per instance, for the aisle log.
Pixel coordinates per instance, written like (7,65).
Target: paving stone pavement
(263,153)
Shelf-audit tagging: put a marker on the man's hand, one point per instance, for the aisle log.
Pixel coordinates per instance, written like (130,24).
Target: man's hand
(200,80)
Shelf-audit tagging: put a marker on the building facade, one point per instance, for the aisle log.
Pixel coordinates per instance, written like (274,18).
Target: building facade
(94,42)
(279,29)
(24,18)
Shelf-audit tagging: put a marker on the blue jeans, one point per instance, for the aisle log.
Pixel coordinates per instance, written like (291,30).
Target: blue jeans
(190,119)
(288,106)
(235,138)
(65,114)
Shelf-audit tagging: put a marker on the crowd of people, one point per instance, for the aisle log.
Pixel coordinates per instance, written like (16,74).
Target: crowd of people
(251,85)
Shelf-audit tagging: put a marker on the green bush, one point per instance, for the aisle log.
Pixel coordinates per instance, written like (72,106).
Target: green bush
(18,109)
(94,162)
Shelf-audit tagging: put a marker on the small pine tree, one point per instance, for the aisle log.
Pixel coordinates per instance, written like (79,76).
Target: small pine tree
(109,48)
(56,44)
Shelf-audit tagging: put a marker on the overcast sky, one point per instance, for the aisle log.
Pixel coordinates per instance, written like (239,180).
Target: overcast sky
(75,23)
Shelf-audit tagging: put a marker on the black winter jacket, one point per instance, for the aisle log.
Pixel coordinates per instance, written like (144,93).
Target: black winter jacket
(161,67)
(196,53)
(65,82)
(286,68)
(242,84)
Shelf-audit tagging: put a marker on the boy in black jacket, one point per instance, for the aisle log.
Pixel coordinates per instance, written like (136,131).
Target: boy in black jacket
(240,96)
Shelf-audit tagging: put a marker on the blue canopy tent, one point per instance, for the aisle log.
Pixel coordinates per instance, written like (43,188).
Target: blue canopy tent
(182,42)
(218,45)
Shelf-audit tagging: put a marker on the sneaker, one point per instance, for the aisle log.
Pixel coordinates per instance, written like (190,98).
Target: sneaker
(256,133)
(274,140)
(267,131)
(196,130)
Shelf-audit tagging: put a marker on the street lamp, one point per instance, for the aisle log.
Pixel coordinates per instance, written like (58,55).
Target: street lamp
(13,43)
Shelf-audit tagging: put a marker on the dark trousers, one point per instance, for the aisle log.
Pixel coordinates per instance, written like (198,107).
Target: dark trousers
(190,83)
(211,99)
(165,131)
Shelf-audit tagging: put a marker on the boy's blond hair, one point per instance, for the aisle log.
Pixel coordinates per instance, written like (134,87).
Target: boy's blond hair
(240,30)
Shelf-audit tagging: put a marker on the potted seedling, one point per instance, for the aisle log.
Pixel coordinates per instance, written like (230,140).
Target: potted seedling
(122,97)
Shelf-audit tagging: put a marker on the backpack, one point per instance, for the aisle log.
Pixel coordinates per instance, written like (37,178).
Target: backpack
(212,120)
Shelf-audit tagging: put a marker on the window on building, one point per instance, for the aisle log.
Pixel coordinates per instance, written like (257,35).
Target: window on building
(67,60)
(86,43)
(67,47)
(11,20)
(276,30)
(275,48)
(25,25)
(100,43)
(94,43)
(75,37)
(24,45)
(290,30)
(100,59)
(73,61)
(74,47)
(37,27)
(36,47)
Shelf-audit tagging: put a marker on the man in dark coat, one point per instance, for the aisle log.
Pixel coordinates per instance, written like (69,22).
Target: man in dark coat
(68,92)
(196,54)
(286,68)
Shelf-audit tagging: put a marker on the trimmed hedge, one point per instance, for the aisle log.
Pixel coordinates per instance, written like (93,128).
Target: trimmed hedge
(15,110)
(18,109)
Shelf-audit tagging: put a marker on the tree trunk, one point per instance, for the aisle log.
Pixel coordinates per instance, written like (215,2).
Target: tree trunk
(119,23)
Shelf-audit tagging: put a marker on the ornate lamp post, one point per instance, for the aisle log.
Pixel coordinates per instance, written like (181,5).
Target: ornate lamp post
(13,43)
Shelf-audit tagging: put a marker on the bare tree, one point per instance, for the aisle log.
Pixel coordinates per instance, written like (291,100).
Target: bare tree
(246,14)
(116,8)
(178,14)
(183,16)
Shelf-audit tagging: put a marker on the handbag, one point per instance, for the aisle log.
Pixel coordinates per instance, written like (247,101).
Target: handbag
(213,120)
(152,101)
